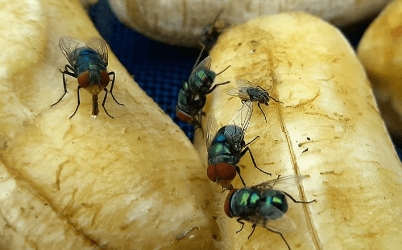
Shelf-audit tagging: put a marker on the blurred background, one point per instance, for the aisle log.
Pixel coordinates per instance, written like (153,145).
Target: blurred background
(160,69)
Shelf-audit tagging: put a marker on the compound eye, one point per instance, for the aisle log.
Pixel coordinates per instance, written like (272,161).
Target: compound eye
(225,171)
(105,79)
(84,79)
(211,172)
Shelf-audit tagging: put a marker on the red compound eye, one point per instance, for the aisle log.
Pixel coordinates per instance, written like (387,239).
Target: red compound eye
(225,171)
(105,79)
(227,203)
(183,116)
(211,172)
(83,79)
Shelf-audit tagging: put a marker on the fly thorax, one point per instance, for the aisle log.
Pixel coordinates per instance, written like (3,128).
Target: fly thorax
(244,202)
(206,79)
(72,57)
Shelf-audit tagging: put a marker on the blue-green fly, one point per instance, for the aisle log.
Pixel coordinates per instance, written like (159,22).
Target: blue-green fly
(192,95)
(88,63)
(227,146)
(262,205)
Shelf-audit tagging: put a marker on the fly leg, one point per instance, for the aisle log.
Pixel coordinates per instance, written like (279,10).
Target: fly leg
(276,181)
(241,178)
(104,101)
(216,85)
(111,89)
(251,141)
(242,224)
(198,124)
(275,99)
(262,113)
(296,201)
(197,107)
(283,238)
(78,98)
(66,68)
(254,225)
(252,158)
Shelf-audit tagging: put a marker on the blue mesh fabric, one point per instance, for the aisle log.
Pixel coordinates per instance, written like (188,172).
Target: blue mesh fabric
(160,69)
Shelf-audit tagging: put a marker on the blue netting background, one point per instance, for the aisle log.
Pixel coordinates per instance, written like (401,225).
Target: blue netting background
(160,69)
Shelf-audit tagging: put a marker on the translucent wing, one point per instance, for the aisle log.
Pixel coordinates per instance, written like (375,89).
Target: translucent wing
(204,64)
(282,225)
(242,116)
(239,122)
(244,83)
(99,45)
(239,92)
(212,129)
(286,180)
(68,46)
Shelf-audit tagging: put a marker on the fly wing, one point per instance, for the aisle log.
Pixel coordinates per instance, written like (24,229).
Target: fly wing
(281,225)
(240,82)
(68,45)
(239,92)
(242,116)
(240,121)
(204,64)
(290,180)
(281,181)
(212,129)
(100,46)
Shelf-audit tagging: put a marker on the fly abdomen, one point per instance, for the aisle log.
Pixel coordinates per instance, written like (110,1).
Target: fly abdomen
(274,205)
(182,99)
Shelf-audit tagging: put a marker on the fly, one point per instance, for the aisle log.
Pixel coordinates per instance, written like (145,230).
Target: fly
(227,146)
(246,91)
(192,95)
(87,62)
(211,32)
(262,205)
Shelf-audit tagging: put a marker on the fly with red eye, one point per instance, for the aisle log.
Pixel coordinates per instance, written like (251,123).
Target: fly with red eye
(227,146)
(88,63)
(263,206)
